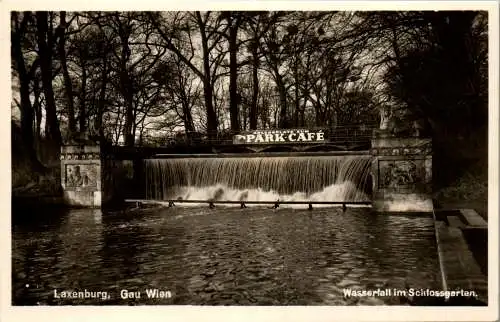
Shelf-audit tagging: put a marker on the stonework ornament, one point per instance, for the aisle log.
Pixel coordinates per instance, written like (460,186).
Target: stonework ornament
(385,116)
(81,176)
(400,173)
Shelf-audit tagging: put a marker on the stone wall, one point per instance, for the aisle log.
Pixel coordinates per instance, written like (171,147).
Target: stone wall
(81,175)
(402,173)
(92,177)
(118,180)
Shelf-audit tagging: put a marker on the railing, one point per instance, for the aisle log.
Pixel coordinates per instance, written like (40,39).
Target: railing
(343,138)
(275,204)
(340,135)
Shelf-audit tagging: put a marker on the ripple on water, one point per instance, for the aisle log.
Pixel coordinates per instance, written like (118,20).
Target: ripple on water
(227,257)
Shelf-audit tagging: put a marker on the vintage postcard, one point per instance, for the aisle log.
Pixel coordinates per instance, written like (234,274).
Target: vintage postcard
(220,160)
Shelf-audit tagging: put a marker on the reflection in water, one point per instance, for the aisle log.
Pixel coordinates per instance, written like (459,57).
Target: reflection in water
(222,256)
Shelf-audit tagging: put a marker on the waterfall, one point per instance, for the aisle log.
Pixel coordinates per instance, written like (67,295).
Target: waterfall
(304,178)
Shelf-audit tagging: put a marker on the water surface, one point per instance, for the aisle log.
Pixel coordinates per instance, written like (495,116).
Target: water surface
(222,256)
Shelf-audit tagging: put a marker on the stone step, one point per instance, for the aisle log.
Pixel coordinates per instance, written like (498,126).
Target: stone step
(472,218)
(454,221)
(460,269)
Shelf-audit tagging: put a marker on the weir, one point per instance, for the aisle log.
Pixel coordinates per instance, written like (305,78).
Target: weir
(315,178)
(395,175)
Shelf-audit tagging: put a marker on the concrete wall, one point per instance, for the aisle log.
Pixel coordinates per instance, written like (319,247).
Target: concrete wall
(402,174)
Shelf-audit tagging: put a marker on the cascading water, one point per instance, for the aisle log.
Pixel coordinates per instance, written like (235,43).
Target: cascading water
(307,178)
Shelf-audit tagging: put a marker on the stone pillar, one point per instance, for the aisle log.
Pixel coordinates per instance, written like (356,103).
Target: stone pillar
(81,175)
(402,173)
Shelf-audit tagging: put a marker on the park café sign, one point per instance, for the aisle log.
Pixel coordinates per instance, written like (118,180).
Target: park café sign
(280,136)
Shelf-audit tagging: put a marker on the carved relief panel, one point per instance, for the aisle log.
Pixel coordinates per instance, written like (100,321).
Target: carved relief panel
(400,173)
(81,176)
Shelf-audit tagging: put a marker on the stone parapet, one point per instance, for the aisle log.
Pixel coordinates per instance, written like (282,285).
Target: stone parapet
(460,269)
(402,173)
(92,177)
(81,175)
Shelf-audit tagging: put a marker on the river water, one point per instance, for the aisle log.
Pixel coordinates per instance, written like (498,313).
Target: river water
(221,256)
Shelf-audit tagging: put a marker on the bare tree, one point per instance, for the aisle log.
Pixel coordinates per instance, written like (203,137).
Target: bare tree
(209,36)
(45,40)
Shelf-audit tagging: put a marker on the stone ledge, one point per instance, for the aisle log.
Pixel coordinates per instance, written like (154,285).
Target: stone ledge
(454,221)
(80,149)
(460,269)
(472,218)
(393,141)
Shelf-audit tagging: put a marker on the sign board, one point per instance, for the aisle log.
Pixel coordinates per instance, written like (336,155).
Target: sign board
(280,136)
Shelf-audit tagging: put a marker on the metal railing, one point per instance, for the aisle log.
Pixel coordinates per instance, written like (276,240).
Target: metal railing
(275,204)
(341,135)
(342,138)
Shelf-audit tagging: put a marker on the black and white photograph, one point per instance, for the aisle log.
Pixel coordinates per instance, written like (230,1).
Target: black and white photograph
(266,157)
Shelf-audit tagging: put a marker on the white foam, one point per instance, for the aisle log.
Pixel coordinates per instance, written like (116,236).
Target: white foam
(345,191)
(409,203)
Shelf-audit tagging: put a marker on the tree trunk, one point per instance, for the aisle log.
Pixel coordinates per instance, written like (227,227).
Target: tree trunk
(24,82)
(129,123)
(187,118)
(83,97)
(255,87)
(296,92)
(38,111)
(67,80)
(140,136)
(134,129)
(233,75)
(101,101)
(212,122)
(282,122)
(319,114)
(127,89)
(44,40)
